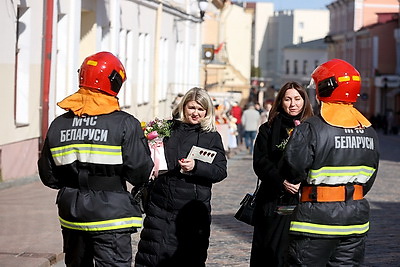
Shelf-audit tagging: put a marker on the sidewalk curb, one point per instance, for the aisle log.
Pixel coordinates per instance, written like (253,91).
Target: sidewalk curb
(19,182)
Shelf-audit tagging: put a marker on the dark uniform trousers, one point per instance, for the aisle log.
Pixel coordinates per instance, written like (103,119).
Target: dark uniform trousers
(107,249)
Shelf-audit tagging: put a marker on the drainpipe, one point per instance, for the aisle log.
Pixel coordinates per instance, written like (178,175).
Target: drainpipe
(156,68)
(48,37)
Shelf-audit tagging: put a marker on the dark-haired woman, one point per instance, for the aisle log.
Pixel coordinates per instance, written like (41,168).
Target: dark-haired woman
(271,226)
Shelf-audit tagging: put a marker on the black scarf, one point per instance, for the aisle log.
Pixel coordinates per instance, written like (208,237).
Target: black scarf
(282,125)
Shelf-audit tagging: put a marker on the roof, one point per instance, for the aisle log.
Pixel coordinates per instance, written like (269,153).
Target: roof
(314,44)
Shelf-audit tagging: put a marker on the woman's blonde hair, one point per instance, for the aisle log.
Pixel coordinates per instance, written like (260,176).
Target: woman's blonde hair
(203,99)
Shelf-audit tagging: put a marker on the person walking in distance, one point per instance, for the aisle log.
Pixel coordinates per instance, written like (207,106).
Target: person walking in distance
(88,155)
(271,226)
(250,121)
(335,157)
(236,112)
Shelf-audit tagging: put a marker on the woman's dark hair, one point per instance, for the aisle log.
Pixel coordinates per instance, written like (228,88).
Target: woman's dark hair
(306,112)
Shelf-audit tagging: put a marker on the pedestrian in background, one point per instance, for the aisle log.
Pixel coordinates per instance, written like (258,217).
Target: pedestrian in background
(236,112)
(89,154)
(335,158)
(271,227)
(178,217)
(250,121)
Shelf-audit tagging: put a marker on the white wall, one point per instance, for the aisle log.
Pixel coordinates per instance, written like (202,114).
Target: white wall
(82,28)
(263,12)
(21,87)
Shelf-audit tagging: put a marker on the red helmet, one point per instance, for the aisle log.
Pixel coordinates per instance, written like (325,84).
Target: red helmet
(337,80)
(102,71)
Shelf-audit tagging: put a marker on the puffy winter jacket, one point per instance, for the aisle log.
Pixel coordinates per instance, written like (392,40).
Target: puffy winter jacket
(90,159)
(320,155)
(177,223)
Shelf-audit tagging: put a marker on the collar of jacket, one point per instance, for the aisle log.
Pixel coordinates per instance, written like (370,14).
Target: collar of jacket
(343,115)
(177,124)
(89,102)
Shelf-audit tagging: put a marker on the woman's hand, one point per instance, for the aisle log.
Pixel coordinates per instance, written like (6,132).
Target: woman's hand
(186,164)
(291,188)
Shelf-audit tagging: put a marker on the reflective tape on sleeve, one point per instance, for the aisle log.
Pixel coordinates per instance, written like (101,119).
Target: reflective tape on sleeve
(335,230)
(340,175)
(90,153)
(103,225)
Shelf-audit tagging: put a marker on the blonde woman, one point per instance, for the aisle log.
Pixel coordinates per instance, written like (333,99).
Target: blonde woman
(178,217)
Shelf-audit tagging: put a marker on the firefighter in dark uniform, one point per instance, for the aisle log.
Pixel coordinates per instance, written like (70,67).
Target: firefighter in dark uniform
(89,154)
(335,157)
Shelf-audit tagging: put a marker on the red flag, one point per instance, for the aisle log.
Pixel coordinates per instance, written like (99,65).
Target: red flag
(216,50)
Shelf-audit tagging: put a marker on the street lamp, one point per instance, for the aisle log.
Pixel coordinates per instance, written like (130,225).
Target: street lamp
(203,4)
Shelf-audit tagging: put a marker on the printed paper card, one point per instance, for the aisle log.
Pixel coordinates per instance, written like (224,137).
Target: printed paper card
(203,154)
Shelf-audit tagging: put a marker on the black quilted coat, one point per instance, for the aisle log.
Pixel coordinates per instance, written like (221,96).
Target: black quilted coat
(177,223)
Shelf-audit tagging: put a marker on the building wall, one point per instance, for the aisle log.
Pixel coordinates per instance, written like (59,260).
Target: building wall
(171,53)
(20,101)
(309,25)
(291,27)
(369,46)
(352,15)
(313,57)
(370,8)
(263,11)
(237,35)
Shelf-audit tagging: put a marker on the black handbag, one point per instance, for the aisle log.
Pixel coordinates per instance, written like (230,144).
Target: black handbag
(245,212)
(141,194)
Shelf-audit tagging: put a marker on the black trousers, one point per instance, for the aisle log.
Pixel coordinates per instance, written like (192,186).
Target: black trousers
(87,250)
(270,241)
(321,252)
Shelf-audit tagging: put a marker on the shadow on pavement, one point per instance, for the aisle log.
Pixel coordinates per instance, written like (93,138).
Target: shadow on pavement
(234,227)
(383,247)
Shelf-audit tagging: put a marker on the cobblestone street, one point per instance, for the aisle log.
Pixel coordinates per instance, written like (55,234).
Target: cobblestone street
(230,241)
(41,243)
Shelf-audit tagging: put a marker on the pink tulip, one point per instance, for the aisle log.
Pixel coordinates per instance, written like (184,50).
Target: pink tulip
(152,135)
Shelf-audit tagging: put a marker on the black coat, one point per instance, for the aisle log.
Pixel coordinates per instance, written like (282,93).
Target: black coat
(271,230)
(177,224)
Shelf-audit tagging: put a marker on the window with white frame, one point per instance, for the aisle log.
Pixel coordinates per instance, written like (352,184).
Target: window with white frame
(129,66)
(143,81)
(122,58)
(287,66)
(193,75)
(62,88)
(316,63)
(305,63)
(22,63)
(179,63)
(163,71)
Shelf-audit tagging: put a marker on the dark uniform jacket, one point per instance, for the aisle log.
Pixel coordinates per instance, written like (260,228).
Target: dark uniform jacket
(177,224)
(90,159)
(319,154)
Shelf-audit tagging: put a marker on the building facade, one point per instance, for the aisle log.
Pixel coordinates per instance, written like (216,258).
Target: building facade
(364,34)
(289,27)
(159,42)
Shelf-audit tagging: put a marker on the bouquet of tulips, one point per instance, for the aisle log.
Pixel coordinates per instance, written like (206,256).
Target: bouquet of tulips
(155,131)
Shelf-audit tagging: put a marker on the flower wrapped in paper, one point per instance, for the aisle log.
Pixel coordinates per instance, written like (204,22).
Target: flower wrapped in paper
(155,131)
